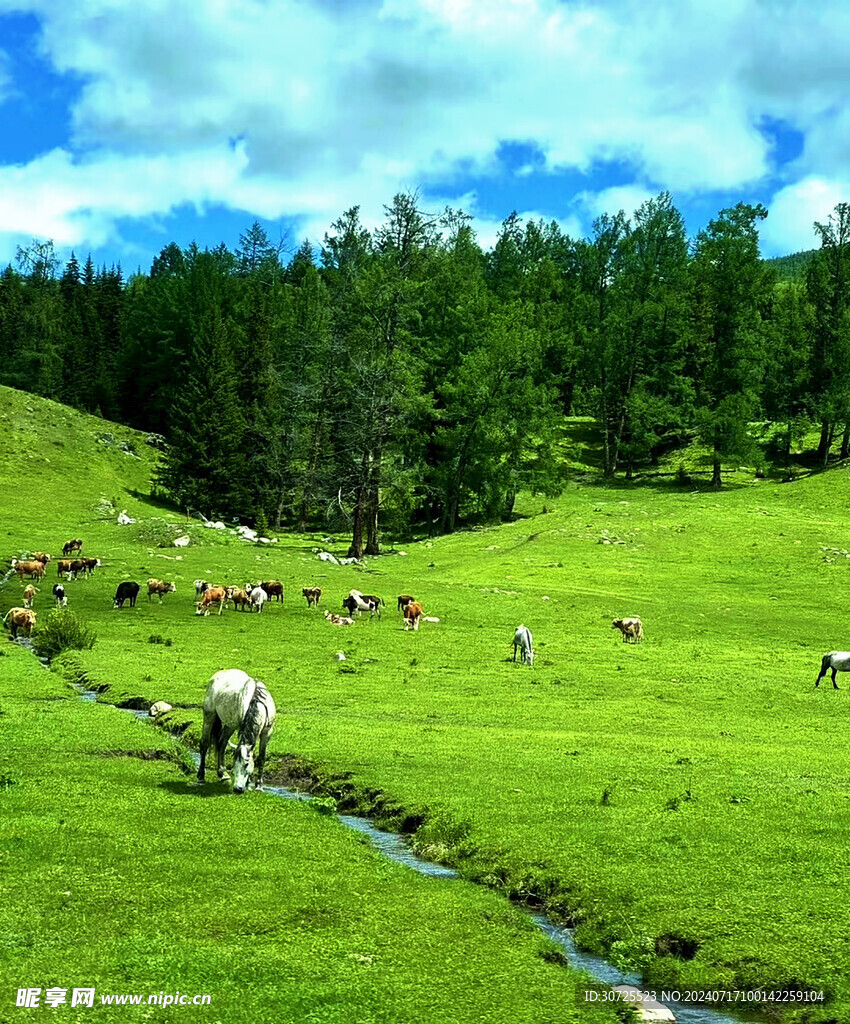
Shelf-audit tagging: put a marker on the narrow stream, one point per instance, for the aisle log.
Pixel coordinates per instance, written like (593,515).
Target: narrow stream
(394,847)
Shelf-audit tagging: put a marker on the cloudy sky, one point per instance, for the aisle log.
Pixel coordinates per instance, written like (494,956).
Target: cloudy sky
(127,124)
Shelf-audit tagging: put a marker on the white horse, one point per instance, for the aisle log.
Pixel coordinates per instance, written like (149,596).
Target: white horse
(838,661)
(522,640)
(234,701)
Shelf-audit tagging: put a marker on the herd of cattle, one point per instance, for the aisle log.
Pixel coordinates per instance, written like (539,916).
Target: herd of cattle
(251,596)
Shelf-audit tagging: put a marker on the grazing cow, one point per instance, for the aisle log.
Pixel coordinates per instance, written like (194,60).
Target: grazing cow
(241,598)
(33,569)
(338,620)
(59,594)
(632,629)
(72,545)
(41,556)
(159,708)
(838,661)
(412,614)
(274,589)
(160,587)
(313,595)
(128,591)
(523,641)
(211,596)
(404,600)
(29,594)
(20,618)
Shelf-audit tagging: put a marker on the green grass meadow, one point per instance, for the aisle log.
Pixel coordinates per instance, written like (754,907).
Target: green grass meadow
(685,801)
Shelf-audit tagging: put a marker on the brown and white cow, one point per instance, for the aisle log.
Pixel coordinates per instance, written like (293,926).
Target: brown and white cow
(33,569)
(412,614)
(211,596)
(313,595)
(20,618)
(632,629)
(72,545)
(160,587)
(29,594)
(41,556)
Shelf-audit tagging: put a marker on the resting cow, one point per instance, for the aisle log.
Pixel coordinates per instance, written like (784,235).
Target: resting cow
(211,596)
(160,587)
(127,591)
(20,618)
(523,641)
(338,620)
(632,629)
(412,614)
(313,595)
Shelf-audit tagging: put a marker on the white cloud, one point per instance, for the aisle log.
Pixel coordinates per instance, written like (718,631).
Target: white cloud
(793,211)
(344,103)
(611,200)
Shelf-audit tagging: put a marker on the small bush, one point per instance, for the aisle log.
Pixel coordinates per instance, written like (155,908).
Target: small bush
(155,533)
(62,631)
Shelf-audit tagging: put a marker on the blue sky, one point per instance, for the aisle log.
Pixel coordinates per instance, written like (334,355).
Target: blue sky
(128,125)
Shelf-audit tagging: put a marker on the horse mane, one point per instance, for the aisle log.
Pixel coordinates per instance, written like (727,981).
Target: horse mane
(256,711)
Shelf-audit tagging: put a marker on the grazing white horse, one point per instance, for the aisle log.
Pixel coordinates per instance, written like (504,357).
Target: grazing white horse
(234,701)
(523,641)
(838,661)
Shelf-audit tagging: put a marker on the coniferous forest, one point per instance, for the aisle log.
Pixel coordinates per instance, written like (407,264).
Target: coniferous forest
(404,376)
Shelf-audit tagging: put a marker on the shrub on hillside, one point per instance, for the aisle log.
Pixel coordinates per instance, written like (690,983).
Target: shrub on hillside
(62,631)
(156,533)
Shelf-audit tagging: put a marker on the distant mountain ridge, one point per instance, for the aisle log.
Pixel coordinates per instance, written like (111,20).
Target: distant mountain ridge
(793,266)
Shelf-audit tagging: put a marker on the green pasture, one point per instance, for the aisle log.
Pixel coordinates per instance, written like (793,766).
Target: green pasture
(685,801)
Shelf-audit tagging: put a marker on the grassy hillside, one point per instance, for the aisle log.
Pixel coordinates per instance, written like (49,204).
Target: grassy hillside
(685,801)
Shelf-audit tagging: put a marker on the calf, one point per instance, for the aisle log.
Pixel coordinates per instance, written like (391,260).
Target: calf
(72,545)
(211,596)
(632,629)
(29,594)
(59,594)
(523,641)
(338,620)
(274,589)
(313,595)
(241,598)
(20,618)
(160,587)
(33,569)
(412,614)
(404,600)
(128,591)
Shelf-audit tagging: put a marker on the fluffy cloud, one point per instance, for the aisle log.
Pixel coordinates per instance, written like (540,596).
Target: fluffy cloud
(300,109)
(794,210)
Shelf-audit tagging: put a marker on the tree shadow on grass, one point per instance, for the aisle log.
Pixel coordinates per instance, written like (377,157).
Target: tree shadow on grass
(193,788)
